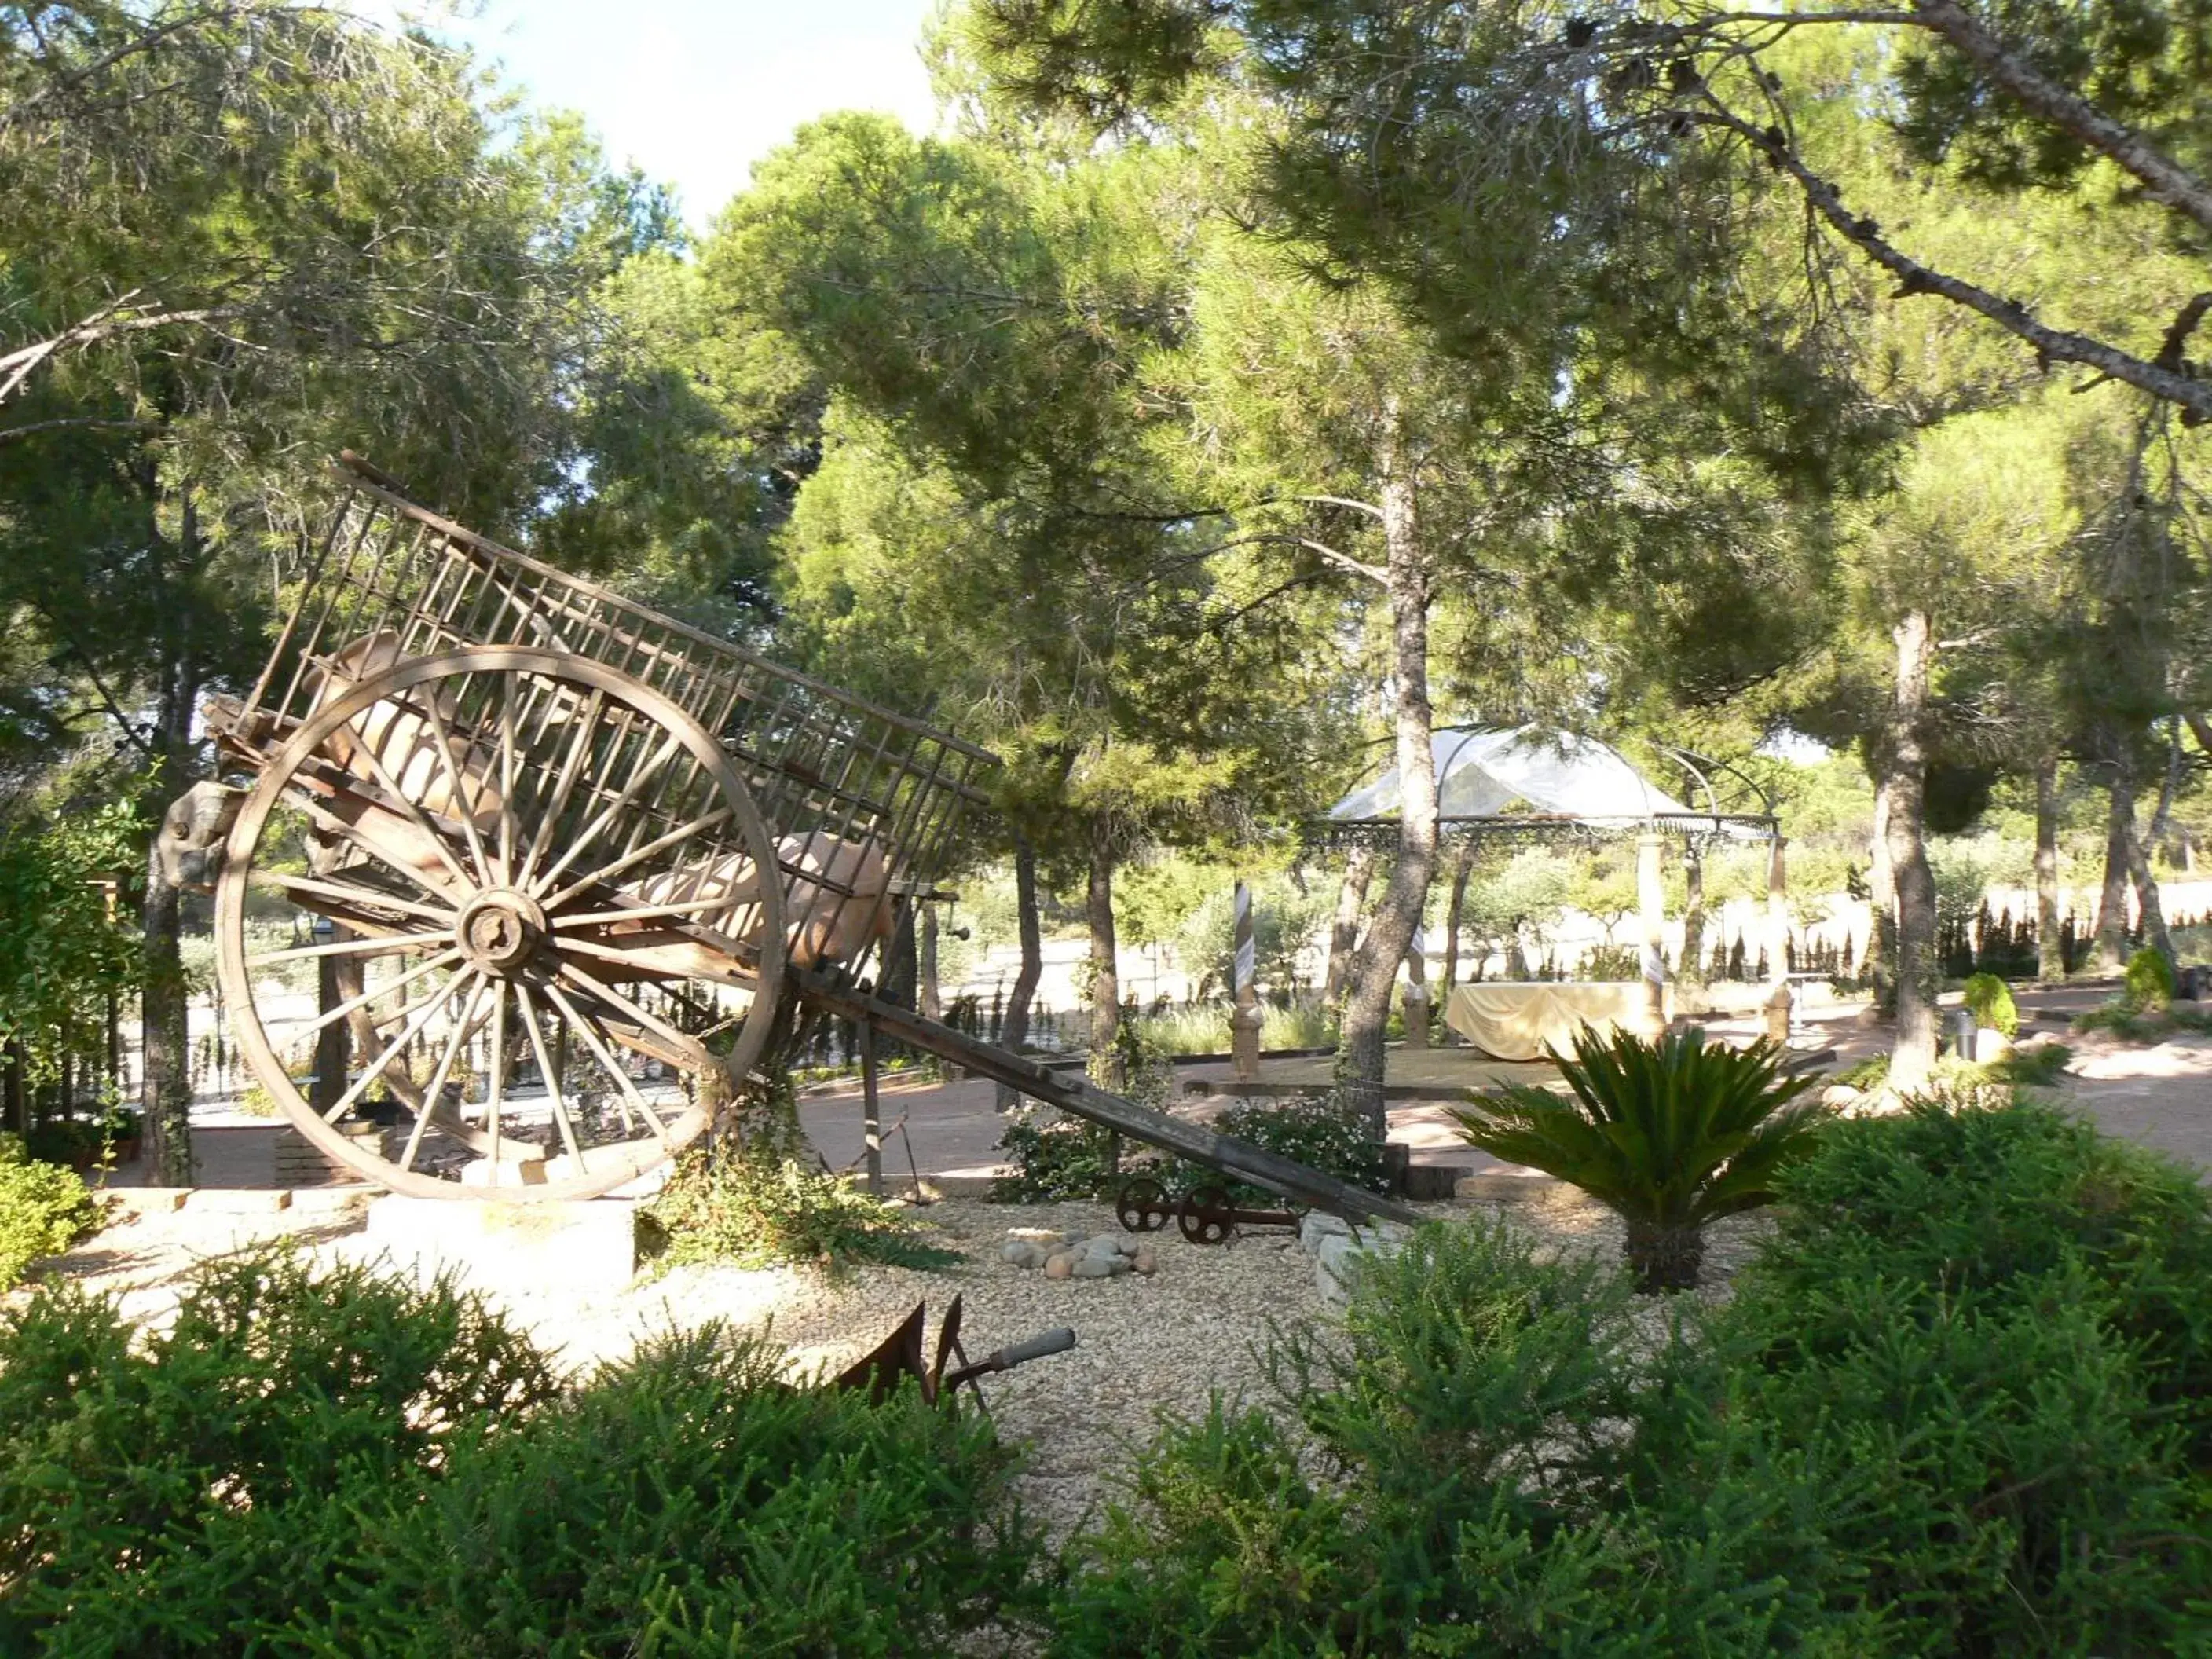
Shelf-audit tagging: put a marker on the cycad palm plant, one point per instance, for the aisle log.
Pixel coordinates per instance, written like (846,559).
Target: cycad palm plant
(1669,1135)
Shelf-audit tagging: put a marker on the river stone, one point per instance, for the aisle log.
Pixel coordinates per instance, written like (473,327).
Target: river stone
(1102,1246)
(1146,1261)
(1060,1265)
(1095,1267)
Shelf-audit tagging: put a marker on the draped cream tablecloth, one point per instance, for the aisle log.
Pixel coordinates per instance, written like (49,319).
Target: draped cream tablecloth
(1516,1020)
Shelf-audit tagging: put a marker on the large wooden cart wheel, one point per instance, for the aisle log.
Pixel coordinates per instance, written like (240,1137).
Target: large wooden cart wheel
(517,862)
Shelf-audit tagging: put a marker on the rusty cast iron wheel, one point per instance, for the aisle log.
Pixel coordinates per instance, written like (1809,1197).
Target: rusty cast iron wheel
(1206,1216)
(1143,1205)
(523,858)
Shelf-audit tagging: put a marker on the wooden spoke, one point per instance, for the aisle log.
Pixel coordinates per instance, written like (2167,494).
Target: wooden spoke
(634,1101)
(549,815)
(405,980)
(406,802)
(376,1023)
(408,1033)
(649,912)
(495,1081)
(607,872)
(362,896)
(353,947)
(464,805)
(551,1074)
(650,1022)
(454,1040)
(644,775)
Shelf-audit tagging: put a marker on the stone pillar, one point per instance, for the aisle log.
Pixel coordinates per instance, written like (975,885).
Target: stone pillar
(1651,904)
(1778,943)
(1244,1020)
(1417,989)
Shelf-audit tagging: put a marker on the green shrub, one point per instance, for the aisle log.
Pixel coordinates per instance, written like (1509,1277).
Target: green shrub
(2002,1322)
(338,1464)
(44,1209)
(1870,1075)
(2149,981)
(1483,1462)
(1669,1135)
(1990,999)
(2121,1018)
(758,1207)
(1959,1404)
(1318,1132)
(1068,1158)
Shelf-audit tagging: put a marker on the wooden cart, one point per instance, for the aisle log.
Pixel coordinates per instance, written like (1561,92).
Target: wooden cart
(567,870)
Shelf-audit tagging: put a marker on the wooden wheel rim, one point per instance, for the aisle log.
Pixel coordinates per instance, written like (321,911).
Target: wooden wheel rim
(236,980)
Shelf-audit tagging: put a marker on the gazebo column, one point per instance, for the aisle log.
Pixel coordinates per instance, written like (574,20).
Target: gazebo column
(1778,943)
(1651,901)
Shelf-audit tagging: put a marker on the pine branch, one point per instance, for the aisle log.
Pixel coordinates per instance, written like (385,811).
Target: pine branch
(2051,344)
(2166,179)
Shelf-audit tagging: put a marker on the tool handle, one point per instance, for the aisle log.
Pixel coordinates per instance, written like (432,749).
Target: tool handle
(1037,1347)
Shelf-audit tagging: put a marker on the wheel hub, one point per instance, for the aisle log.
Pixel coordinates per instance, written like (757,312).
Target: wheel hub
(500,930)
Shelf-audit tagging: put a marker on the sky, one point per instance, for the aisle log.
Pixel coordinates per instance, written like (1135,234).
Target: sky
(694,92)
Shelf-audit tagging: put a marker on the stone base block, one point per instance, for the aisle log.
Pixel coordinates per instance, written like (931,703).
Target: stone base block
(148,1200)
(239,1200)
(588,1244)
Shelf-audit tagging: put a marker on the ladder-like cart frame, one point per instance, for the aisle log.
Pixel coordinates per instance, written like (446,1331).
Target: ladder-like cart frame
(513,817)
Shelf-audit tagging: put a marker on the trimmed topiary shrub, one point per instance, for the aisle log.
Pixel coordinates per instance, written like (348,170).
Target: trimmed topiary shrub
(2149,982)
(44,1209)
(1989,1001)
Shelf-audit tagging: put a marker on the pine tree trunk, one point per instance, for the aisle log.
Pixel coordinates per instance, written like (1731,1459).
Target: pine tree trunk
(929,1001)
(164,1097)
(1693,969)
(1878,962)
(2146,884)
(1014,1025)
(2050,958)
(1105,980)
(1359,1063)
(1462,868)
(2109,953)
(1344,932)
(1914,1051)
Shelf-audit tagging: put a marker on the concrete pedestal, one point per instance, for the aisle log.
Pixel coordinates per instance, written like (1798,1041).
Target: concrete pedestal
(1244,1025)
(589,1244)
(1417,1017)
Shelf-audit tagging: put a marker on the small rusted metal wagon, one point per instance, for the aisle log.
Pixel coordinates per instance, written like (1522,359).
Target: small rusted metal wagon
(518,823)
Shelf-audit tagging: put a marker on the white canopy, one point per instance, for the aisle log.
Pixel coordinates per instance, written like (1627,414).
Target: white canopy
(1480,773)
